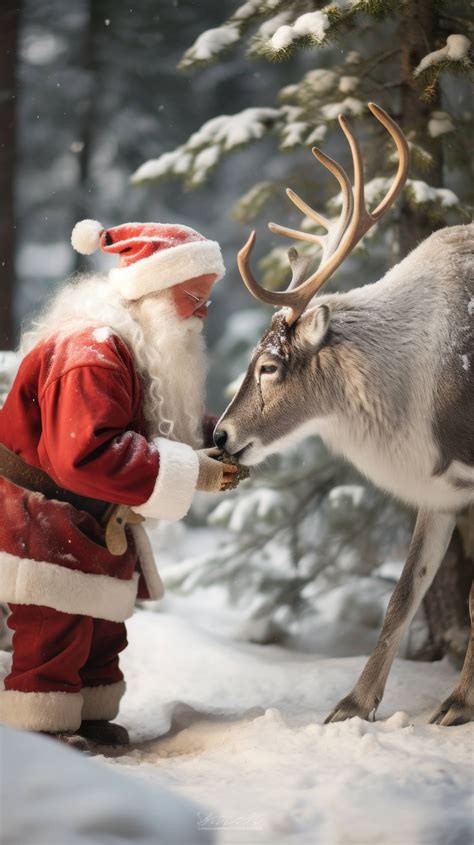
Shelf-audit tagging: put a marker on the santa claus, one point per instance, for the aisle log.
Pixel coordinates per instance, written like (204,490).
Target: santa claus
(103,426)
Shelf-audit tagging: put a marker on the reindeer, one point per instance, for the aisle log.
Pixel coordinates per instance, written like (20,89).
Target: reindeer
(384,374)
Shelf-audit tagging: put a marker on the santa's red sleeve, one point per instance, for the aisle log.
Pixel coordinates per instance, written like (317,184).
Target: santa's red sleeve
(89,446)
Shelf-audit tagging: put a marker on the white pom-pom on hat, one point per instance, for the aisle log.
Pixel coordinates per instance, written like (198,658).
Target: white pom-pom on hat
(85,236)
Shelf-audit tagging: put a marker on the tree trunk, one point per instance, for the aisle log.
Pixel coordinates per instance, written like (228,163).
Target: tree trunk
(418,26)
(9,26)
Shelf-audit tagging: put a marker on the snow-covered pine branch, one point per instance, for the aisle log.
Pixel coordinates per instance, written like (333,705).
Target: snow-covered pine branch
(209,46)
(456,50)
(452,58)
(214,43)
(309,29)
(282,26)
(251,204)
(195,159)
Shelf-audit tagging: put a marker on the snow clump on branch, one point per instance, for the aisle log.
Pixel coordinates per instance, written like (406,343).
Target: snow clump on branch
(419,192)
(210,44)
(349,106)
(455,50)
(312,24)
(439,124)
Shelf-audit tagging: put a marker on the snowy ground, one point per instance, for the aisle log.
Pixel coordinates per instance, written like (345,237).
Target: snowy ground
(238,729)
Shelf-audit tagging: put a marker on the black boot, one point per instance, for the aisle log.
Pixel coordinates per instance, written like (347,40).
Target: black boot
(103,732)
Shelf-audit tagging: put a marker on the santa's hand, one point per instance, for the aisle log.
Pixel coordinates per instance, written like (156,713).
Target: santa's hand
(213,475)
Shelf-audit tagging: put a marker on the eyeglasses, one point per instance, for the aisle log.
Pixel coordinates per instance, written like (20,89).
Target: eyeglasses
(200,301)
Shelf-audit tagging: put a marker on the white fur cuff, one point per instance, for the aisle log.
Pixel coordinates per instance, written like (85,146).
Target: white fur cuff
(176,482)
(41,711)
(102,702)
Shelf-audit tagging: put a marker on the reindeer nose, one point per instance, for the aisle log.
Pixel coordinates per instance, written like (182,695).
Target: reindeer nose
(220,438)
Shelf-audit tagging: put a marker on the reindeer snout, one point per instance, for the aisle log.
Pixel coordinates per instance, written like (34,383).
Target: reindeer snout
(220,437)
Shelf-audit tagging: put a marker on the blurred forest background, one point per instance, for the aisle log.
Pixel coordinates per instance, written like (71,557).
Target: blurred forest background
(97,121)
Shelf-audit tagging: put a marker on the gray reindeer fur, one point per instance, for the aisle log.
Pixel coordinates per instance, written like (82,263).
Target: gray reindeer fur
(385,375)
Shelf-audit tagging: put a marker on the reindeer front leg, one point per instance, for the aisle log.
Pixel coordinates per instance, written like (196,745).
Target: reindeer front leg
(428,545)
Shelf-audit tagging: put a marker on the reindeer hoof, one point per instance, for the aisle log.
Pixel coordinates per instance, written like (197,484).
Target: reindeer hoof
(454,711)
(349,707)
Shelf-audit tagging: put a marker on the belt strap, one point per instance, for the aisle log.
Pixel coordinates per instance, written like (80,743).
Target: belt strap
(113,517)
(19,472)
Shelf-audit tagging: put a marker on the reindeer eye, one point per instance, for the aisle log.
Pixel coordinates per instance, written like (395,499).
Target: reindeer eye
(268,369)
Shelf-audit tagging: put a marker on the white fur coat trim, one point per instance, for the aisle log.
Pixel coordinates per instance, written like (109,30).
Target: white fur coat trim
(102,702)
(176,482)
(151,575)
(167,268)
(25,581)
(41,711)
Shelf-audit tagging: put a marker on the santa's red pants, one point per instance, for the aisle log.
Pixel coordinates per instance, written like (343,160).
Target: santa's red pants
(65,668)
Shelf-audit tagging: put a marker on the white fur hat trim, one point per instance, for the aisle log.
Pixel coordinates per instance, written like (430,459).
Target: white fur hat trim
(85,236)
(168,267)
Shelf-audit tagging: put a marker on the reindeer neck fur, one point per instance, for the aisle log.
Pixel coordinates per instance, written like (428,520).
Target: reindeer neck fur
(380,367)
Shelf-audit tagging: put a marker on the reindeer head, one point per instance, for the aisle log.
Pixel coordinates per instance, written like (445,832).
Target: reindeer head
(286,387)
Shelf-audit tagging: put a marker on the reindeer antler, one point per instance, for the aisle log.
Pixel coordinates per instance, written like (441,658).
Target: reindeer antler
(354,222)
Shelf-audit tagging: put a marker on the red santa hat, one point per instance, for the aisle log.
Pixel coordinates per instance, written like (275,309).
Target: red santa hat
(153,256)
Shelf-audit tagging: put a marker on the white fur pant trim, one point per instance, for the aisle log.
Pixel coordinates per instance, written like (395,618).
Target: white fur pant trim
(102,702)
(41,711)
(25,581)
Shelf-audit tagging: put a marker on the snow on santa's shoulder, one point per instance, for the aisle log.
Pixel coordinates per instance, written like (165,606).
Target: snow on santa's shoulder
(102,333)
(240,727)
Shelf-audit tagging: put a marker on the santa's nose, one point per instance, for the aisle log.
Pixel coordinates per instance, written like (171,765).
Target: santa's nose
(220,438)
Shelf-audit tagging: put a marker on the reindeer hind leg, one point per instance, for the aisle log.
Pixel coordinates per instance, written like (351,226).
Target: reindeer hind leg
(459,706)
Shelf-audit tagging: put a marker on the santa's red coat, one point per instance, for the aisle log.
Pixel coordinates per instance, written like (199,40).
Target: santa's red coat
(76,411)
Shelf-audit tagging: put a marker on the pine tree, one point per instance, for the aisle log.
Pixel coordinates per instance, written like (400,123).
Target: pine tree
(405,52)
(306,524)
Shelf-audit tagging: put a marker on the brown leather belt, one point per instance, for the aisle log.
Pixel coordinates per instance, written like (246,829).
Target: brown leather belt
(114,518)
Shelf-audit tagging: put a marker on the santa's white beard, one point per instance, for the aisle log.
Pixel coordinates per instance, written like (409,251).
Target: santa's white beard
(173,363)
(169,353)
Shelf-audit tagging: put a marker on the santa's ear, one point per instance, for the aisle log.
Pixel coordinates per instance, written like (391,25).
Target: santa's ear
(312,327)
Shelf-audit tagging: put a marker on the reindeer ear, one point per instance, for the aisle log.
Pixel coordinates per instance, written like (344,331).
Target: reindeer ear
(313,325)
